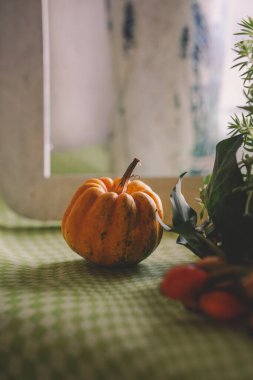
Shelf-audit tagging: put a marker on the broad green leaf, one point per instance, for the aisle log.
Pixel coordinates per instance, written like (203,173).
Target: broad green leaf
(195,241)
(182,212)
(226,175)
(235,228)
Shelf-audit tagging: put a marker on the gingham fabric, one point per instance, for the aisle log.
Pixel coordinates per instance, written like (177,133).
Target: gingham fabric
(62,318)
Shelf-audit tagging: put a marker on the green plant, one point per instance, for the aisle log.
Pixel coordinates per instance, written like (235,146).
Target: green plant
(227,194)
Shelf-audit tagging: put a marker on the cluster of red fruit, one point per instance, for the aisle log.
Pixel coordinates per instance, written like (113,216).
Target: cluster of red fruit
(211,286)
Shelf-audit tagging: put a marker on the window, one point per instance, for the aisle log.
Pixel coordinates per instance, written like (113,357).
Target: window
(32,114)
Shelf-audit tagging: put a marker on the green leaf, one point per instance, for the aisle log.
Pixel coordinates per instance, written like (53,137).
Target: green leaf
(196,241)
(235,228)
(182,212)
(184,223)
(226,175)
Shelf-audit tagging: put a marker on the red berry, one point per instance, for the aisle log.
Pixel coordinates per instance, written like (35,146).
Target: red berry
(183,281)
(222,305)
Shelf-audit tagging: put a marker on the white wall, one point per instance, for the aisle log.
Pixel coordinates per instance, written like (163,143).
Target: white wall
(81,77)
(80,72)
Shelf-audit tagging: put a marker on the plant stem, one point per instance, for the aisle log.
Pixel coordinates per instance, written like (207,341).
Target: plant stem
(248,207)
(121,188)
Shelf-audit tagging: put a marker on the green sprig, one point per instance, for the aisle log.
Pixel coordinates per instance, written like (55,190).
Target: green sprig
(243,125)
(227,193)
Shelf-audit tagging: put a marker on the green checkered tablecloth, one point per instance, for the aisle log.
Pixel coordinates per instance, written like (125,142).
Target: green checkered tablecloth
(62,318)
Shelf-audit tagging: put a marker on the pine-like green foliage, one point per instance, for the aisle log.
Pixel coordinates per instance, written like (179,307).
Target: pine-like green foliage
(244,62)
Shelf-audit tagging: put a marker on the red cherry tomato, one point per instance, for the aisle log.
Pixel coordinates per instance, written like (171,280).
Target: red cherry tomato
(183,281)
(222,305)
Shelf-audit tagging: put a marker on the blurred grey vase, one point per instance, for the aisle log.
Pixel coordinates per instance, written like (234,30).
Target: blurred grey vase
(167,67)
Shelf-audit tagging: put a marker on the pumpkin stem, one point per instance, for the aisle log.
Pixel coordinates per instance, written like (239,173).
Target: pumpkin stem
(126,176)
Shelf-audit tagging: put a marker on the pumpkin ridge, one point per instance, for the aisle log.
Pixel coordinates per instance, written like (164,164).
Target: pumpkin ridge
(108,182)
(97,224)
(79,212)
(79,192)
(159,209)
(148,224)
(137,185)
(120,239)
(97,182)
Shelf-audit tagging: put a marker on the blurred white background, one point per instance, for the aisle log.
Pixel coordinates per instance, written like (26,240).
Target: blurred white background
(82,80)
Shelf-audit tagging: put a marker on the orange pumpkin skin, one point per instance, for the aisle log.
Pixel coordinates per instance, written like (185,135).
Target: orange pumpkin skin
(111,227)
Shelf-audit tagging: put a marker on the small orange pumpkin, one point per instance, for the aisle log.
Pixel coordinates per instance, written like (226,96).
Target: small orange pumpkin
(113,222)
